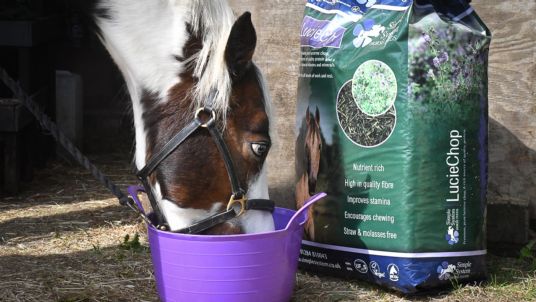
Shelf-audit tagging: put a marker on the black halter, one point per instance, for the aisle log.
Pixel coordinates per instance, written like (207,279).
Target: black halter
(238,196)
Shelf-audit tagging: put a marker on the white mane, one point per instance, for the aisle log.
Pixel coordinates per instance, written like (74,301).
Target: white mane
(213,21)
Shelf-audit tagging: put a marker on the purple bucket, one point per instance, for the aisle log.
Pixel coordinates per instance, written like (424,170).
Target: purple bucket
(250,267)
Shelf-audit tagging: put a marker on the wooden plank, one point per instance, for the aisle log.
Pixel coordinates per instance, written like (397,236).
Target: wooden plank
(11,162)
(508,222)
(29,33)
(512,91)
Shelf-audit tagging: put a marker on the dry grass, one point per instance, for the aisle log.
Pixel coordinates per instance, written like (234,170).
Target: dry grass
(61,240)
(509,281)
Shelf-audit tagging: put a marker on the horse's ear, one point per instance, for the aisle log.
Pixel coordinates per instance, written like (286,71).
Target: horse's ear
(317,116)
(308,116)
(241,45)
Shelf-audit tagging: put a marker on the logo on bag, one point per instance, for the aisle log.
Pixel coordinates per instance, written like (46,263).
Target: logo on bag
(453,236)
(321,33)
(460,270)
(364,32)
(367,3)
(393,272)
(361,266)
(446,271)
(375,269)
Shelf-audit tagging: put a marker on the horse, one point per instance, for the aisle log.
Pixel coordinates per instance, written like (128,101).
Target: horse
(306,185)
(177,56)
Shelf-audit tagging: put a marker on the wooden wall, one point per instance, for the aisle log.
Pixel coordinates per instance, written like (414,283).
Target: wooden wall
(512,97)
(512,91)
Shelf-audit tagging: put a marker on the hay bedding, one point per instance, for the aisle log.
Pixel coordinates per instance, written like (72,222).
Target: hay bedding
(63,239)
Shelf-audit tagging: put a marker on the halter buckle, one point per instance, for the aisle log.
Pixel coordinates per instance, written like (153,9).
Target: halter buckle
(242,201)
(210,121)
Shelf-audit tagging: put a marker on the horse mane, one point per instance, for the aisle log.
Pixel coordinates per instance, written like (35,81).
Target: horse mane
(212,20)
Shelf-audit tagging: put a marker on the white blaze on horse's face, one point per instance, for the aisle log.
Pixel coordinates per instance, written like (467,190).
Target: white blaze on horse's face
(173,55)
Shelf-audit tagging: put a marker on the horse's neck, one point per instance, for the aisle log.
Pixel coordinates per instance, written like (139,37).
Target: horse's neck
(141,41)
(146,40)
(302,190)
(302,195)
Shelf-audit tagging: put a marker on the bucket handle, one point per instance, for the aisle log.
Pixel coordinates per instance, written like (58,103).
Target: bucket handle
(133,192)
(299,218)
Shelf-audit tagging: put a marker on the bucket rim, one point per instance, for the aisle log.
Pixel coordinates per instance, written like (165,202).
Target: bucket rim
(220,238)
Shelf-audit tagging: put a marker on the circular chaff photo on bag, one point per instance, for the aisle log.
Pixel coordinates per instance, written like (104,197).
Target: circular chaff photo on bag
(362,129)
(374,87)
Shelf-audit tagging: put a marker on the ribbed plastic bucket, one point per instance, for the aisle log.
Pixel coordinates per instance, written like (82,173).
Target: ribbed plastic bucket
(249,268)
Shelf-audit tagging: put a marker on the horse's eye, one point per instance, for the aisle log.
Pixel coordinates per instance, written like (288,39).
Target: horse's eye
(260,149)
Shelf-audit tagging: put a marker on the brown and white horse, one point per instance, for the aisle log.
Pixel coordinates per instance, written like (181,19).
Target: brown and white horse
(174,54)
(306,185)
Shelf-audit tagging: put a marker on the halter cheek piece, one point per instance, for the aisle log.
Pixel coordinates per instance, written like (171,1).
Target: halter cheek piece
(238,203)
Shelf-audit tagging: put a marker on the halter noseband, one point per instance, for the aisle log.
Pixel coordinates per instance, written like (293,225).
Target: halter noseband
(238,196)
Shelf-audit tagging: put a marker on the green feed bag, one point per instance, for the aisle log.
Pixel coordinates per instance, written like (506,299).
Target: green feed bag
(392,123)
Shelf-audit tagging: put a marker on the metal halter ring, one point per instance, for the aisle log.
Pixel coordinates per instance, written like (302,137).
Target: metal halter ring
(212,116)
(242,201)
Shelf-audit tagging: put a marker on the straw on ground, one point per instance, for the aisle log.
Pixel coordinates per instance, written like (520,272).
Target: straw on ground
(64,239)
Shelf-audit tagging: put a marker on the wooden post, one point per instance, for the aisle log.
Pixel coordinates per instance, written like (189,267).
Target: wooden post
(11,163)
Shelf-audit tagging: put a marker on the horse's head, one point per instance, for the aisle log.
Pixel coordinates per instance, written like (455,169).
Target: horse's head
(193,179)
(177,57)
(313,147)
